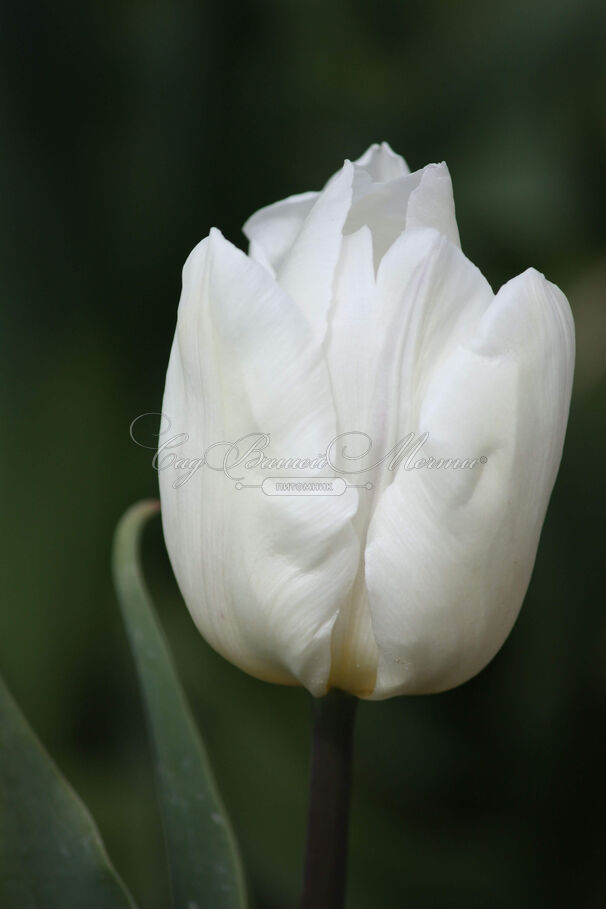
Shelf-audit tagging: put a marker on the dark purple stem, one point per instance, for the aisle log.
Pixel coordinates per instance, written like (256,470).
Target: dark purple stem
(329,798)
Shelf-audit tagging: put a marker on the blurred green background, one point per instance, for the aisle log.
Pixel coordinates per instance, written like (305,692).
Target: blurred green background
(128,129)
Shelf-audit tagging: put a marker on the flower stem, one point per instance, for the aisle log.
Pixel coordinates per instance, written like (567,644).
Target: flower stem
(329,797)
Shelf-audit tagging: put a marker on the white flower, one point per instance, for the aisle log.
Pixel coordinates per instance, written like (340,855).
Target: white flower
(356,311)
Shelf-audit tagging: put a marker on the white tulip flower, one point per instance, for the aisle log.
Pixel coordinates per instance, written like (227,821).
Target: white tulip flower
(355,312)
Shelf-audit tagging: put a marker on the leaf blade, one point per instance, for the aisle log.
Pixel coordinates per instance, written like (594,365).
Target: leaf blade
(205,866)
(51,853)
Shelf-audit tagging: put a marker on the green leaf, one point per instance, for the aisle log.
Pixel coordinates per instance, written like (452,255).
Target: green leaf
(205,867)
(51,854)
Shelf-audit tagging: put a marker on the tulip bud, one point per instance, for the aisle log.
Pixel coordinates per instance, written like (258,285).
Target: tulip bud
(356,316)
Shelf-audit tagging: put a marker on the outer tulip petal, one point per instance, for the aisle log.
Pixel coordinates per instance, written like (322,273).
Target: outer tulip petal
(429,298)
(262,576)
(450,552)
(384,343)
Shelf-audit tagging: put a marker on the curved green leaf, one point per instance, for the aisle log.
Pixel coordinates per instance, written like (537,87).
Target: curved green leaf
(205,867)
(51,854)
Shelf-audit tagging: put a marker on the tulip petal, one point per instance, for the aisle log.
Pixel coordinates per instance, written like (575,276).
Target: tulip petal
(263,576)
(429,298)
(411,201)
(273,230)
(431,204)
(307,272)
(382,163)
(381,207)
(384,341)
(450,552)
(350,348)
(350,352)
